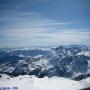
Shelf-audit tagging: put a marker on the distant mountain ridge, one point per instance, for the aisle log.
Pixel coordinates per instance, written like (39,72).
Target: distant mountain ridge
(70,61)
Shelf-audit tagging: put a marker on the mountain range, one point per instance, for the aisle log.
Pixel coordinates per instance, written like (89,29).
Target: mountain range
(72,61)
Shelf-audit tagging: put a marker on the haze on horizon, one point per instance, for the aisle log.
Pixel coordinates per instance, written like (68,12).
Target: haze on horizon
(44,22)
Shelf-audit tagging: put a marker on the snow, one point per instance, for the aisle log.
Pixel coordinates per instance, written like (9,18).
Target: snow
(43,63)
(85,82)
(10,69)
(38,56)
(85,53)
(27,82)
(21,55)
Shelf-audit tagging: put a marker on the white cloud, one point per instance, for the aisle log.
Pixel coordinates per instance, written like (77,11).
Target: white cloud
(33,29)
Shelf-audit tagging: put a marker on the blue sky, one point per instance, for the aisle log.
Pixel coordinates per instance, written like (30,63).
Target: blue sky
(44,22)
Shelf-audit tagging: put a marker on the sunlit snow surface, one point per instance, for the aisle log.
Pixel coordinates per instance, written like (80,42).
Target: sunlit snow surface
(33,83)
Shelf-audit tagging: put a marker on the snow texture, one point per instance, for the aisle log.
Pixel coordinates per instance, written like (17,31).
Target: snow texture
(27,82)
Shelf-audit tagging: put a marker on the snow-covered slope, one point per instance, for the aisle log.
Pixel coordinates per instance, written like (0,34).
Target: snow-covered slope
(33,83)
(85,53)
